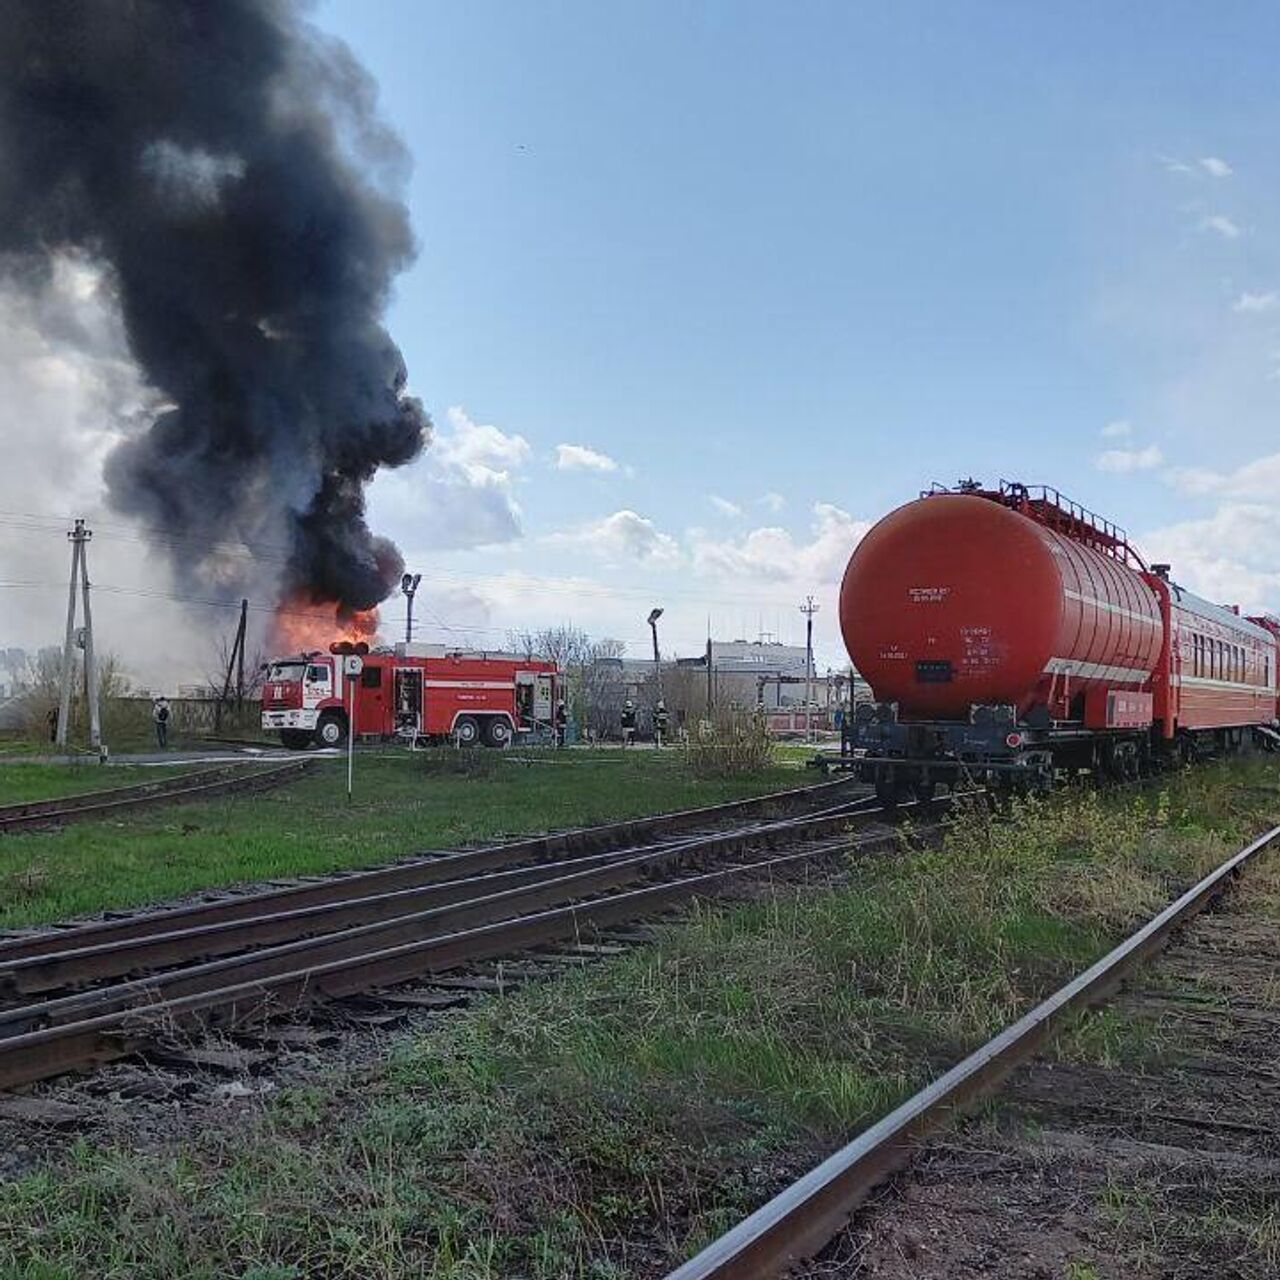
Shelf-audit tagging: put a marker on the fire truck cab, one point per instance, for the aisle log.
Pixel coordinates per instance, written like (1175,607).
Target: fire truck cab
(415,693)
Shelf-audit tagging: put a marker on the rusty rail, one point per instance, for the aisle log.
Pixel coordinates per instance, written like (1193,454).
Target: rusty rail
(798,1222)
(403,875)
(332,967)
(78,965)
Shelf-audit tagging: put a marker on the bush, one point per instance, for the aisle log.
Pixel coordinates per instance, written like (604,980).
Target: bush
(734,743)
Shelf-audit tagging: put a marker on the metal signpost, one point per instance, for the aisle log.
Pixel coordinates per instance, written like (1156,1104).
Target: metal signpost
(352,666)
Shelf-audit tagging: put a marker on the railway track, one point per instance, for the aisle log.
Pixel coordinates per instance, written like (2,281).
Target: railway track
(107,989)
(799,1222)
(196,785)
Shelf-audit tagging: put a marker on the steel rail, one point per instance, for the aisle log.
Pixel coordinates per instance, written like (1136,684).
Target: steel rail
(402,875)
(115,958)
(92,804)
(52,1051)
(485,908)
(803,1218)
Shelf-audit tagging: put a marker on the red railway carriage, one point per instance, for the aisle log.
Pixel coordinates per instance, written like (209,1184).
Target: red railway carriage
(1271,625)
(1218,671)
(1010,632)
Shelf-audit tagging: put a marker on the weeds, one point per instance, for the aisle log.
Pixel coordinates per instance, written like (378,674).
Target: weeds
(733,744)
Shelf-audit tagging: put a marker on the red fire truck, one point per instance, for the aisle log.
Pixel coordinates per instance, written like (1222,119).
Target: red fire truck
(412,692)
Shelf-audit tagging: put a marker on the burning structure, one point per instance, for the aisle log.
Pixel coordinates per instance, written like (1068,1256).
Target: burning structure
(223,165)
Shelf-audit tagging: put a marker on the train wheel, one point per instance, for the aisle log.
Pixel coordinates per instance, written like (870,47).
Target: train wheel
(466,731)
(332,730)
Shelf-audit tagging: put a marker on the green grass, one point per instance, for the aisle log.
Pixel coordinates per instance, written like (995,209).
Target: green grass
(402,803)
(37,781)
(609,1123)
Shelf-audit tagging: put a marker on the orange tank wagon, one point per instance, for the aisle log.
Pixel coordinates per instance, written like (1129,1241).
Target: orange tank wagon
(1009,633)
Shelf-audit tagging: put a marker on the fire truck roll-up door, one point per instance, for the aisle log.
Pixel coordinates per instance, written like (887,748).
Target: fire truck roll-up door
(408,701)
(533,698)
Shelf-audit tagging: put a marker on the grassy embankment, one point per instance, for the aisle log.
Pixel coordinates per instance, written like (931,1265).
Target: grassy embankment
(402,803)
(607,1124)
(35,781)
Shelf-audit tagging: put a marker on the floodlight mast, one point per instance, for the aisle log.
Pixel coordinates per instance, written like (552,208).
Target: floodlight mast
(409,587)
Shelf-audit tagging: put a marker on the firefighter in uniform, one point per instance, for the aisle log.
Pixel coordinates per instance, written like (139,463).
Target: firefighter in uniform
(628,722)
(562,721)
(160,716)
(660,723)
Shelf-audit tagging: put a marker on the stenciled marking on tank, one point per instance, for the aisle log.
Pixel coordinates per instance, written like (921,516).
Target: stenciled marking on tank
(979,651)
(928,595)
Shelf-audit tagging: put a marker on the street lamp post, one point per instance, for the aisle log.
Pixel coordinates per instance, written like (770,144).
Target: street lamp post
(654,615)
(409,586)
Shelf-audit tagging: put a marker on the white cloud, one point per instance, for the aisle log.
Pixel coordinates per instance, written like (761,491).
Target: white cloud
(481,452)
(1256,302)
(774,554)
(1117,429)
(459,494)
(1122,461)
(724,506)
(624,535)
(1257,479)
(1232,556)
(1220,223)
(578,457)
(772,501)
(1211,165)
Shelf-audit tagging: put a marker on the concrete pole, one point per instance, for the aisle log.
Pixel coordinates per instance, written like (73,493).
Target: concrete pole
(69,645)
(808,609)
(90,663)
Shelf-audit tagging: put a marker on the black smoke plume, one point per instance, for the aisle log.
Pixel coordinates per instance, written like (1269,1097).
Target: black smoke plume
(222,161)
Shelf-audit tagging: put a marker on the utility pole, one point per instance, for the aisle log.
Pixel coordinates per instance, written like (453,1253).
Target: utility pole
(409,588)
(235,662)
(79,537)
(710,681)
(808,609)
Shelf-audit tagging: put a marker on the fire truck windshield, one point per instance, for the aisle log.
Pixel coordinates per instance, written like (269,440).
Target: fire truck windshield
(287,671)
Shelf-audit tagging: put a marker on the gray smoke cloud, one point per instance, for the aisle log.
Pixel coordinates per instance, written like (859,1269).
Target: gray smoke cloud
(222,163)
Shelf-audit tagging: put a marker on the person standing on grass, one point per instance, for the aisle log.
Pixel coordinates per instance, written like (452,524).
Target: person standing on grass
(661,723)
(562,722)
(628,722)
(160,714)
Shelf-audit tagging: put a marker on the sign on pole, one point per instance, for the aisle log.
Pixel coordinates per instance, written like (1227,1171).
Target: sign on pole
(352,666)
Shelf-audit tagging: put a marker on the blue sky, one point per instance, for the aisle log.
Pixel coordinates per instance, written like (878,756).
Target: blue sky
(705,288)
(830,252)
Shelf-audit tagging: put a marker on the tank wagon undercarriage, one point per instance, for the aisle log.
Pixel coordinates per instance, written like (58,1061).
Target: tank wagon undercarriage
(905,759)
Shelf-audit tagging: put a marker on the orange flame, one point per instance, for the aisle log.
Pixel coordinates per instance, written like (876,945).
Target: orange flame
(302,624)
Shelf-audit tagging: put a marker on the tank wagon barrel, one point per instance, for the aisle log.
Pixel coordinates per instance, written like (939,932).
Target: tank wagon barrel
(1009,633)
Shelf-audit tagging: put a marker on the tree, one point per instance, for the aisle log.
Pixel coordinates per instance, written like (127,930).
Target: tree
(592,677)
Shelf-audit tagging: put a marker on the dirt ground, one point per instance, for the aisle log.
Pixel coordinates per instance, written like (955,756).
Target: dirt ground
(1154,1152)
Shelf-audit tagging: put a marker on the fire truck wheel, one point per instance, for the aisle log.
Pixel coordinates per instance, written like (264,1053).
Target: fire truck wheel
(331,731)
(497,732)
(295,739)
(466,731)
